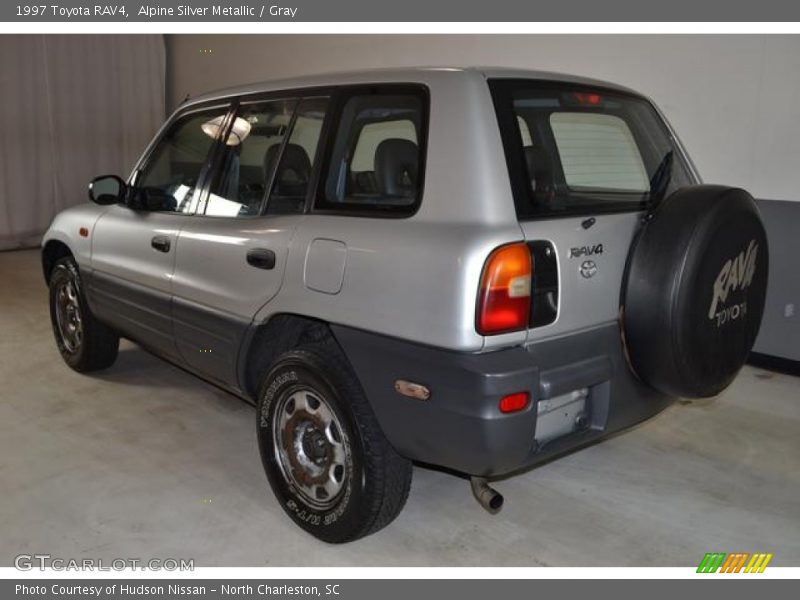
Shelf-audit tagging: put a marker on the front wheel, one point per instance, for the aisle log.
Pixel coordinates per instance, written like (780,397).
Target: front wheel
(328,462)
(84,343)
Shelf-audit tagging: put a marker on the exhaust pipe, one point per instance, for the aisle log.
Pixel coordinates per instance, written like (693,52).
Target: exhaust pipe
(488,497)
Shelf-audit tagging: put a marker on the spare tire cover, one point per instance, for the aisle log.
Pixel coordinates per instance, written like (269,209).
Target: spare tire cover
(694,290)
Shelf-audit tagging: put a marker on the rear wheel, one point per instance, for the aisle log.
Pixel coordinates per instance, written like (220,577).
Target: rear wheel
(328,462)
(84,343)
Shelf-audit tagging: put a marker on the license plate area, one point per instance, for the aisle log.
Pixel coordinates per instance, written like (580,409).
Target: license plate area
(562,415)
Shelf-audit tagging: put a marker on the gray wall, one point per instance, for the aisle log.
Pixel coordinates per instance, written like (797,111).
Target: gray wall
(71,107)
(780,329)
(734,99)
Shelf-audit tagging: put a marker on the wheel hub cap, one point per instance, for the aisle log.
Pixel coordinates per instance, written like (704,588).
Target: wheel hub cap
(68,316)
(310,447)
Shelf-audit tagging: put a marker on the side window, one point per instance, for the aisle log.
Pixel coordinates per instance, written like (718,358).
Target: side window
(244,172)
(377,152)
(293,176)
(168,179)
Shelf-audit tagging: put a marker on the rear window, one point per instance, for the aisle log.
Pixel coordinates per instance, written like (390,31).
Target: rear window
(376,161)
(598,152)
(574,150)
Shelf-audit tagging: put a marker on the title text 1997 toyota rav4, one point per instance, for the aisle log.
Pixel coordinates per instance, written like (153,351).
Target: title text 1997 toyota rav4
(472,268)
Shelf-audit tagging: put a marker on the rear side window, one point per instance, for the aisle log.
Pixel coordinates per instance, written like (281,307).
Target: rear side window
(245,168)
(376,161)
(574,150)
(268,158)
(292,178)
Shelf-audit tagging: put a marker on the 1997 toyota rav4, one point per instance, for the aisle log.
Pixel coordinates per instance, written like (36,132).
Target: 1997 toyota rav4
(473,268)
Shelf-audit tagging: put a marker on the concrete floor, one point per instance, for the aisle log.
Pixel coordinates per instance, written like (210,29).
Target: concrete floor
(145,460)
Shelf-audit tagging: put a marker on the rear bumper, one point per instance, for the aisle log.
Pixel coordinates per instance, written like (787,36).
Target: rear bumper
(460,426)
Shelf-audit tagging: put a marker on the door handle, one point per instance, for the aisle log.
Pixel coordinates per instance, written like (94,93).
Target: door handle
(160,243)
(261,258)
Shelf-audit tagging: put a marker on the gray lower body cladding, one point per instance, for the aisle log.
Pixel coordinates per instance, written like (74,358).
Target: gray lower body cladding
(580,386)
(193,336)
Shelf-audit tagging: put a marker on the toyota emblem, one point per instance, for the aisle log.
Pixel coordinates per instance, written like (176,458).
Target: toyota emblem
(588,269)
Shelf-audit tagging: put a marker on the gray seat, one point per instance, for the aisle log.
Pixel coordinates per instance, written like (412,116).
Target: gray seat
(294,171)
(291,180)
(396,168)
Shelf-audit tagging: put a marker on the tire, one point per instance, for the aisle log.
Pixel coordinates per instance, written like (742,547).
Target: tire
(84,343)
(326,458)
(694,291)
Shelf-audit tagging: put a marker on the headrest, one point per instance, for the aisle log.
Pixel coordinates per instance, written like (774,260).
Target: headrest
(396,167)
(295,165)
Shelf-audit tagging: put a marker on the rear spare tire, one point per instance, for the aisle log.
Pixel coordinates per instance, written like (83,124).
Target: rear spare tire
(694,290)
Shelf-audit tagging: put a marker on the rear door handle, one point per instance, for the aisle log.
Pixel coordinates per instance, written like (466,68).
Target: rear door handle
(160,243)
(261,258)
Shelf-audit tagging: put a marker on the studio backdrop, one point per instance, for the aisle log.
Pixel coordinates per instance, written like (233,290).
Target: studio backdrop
(71,107)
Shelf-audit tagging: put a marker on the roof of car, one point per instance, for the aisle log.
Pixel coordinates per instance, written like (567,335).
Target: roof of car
(405,75)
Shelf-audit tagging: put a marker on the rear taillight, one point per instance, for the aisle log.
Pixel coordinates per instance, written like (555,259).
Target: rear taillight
(504,299)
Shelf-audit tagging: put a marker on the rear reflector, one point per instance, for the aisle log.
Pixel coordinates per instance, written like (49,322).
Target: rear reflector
(514,402)
(504,299)
(412,390)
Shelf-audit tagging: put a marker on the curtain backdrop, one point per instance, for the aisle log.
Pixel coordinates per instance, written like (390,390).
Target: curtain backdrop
(71,107)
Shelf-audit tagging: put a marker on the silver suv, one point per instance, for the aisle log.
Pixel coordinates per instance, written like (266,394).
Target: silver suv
(478,269)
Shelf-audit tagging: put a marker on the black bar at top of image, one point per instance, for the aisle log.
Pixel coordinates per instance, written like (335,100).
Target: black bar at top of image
(516,11)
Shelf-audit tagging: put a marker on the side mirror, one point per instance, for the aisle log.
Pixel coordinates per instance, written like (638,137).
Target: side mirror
(107,189)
